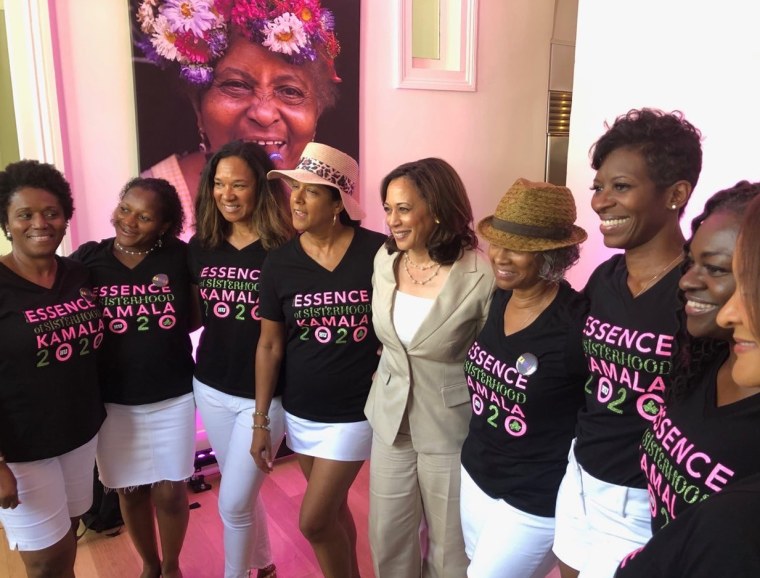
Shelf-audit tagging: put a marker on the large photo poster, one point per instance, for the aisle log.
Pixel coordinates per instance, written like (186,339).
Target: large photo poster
(277,72)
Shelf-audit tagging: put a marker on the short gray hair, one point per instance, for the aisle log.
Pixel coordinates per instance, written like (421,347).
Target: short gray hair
(557,262)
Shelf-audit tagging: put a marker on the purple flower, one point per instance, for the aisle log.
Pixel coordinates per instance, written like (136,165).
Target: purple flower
(189,15)
(217,42)
(197,75)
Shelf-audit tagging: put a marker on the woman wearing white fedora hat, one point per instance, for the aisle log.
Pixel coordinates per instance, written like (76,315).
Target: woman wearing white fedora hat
(316,310)
(526,371)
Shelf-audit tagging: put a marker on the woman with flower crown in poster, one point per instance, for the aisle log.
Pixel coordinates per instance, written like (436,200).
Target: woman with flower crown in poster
(254,70)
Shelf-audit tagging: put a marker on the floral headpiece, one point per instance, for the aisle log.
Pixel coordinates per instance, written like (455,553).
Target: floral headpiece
(195,33)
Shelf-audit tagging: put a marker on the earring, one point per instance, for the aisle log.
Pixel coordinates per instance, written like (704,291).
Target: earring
(674,206)
(8,235)
(437,222)
(203,146)
(335,218)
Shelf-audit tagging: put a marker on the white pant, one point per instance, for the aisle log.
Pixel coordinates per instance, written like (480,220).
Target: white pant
(50,493)
(598,523)
(228,421)
(502,541)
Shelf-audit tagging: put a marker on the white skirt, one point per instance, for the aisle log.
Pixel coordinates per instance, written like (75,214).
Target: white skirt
(140,445)
(344,442)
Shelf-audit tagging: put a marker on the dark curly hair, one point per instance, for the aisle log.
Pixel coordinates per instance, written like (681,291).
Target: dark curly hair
(34,174)
(444,192)
(271,217)
(671,145)
(170,207)
(695,355)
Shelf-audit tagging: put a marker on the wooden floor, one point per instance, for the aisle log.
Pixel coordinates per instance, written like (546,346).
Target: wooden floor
(100,556)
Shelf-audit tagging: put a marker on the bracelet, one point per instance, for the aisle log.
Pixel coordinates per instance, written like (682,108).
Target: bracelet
(259,426)
(265,416)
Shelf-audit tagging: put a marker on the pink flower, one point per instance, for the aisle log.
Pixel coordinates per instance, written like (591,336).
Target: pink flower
(194,50)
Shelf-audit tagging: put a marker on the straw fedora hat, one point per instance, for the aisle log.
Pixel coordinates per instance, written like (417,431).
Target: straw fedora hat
(323,165)
(533,216)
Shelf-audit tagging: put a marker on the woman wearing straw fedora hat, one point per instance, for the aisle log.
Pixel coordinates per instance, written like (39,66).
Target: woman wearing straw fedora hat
(525,373)
(431,296)
(316,311)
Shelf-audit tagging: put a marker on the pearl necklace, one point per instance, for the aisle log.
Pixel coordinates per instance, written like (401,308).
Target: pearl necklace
(123,249)
(659,274)
(424,281)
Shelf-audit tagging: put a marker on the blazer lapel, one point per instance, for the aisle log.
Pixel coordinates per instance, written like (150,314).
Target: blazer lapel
(385,290)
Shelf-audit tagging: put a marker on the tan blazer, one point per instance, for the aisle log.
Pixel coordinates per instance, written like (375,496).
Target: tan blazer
(428,378)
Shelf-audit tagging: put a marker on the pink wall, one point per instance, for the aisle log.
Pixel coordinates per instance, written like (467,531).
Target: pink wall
(491,136)
(96,108)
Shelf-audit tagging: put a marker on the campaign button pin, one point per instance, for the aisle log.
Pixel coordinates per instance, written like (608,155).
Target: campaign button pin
(526,364)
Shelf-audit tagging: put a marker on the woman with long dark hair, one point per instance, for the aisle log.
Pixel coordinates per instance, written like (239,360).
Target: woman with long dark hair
(240,216)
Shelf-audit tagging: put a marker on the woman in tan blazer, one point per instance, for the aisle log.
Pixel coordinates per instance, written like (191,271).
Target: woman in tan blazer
(431,297)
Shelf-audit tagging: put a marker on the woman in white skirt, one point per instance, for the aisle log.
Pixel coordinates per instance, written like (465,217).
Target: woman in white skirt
(316,294)
(146,445)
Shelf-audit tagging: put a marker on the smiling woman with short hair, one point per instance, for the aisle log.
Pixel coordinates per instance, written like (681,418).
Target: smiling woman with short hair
(50,407)
(647,164)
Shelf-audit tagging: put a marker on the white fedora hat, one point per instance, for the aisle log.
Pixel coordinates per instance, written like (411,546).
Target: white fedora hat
(323,165)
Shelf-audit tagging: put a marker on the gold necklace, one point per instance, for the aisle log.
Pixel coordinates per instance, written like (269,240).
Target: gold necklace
(414,265)
(424,281)
(667,268)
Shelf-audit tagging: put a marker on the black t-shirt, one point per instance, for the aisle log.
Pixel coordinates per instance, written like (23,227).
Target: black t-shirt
(146,355)
(694,448)
(228,282)
(331,350)
(629,344)
(49,397)
(522,425)
(718,538)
